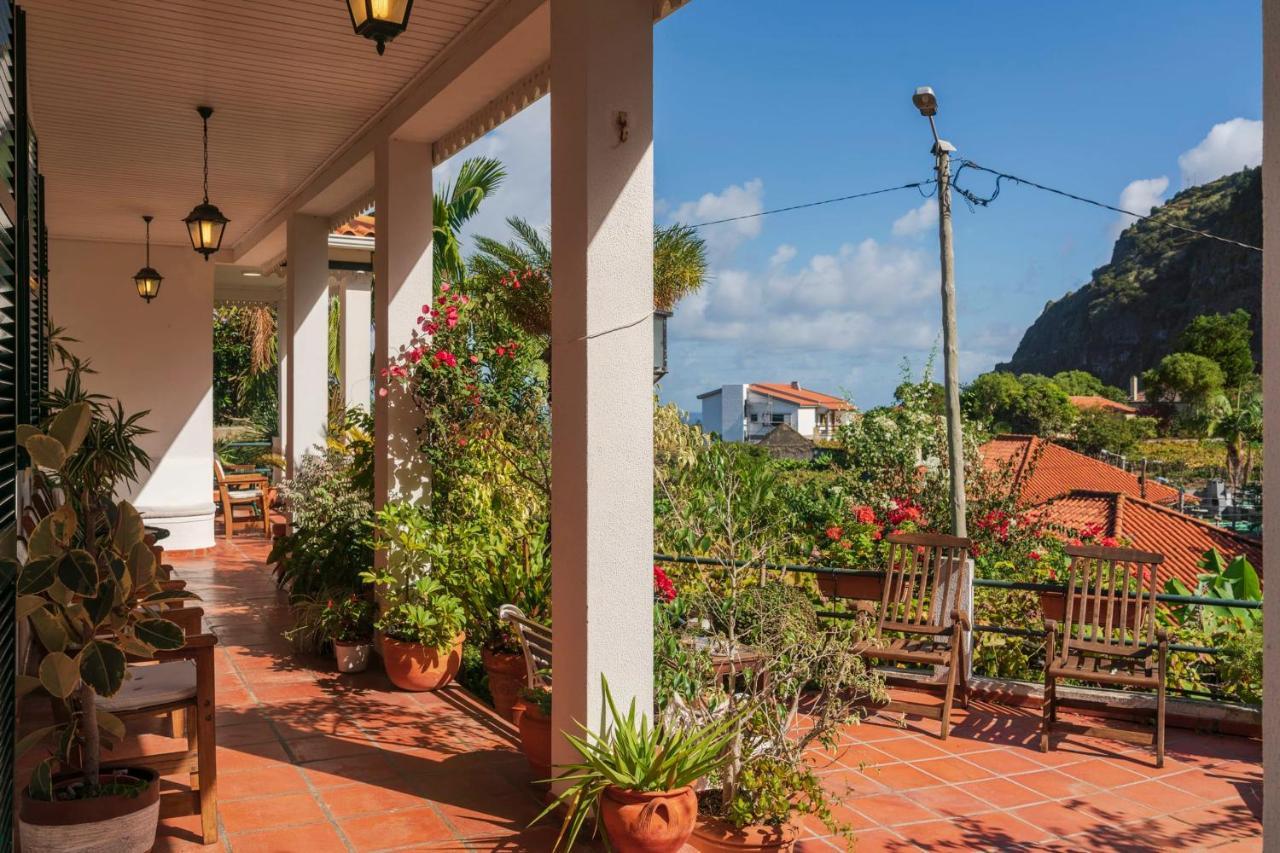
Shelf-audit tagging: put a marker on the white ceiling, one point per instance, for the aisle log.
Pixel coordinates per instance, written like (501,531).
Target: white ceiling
(114,85)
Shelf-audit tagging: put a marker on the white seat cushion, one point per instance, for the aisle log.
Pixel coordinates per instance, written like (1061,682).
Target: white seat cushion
(153,684)
(240,494)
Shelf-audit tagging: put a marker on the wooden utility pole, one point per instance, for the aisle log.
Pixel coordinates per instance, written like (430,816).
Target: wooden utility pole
(950,351)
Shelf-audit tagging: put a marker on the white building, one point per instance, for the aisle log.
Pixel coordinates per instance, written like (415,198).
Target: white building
(750,412)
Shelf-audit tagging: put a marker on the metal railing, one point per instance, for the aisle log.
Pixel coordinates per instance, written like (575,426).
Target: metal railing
(982,583)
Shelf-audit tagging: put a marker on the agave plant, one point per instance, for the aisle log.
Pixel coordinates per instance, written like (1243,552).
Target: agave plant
(88,584)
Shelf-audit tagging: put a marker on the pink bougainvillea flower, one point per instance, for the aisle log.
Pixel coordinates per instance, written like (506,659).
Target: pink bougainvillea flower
(382,392)
(663,589)
(444,287)
(501,350)
(475,359)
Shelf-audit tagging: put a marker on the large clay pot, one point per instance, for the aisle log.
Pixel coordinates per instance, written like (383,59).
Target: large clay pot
(506,678)
(535,737)
(711,835)
(413,666)
(116,823)
(649,822)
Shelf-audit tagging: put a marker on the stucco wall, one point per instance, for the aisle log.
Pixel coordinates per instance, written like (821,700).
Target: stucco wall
(155,356)
(1271,402)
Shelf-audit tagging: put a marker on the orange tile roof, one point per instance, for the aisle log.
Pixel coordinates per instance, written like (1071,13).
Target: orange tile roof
(1093,401)
(802,396)
(1149,526)
(1044,470)
(361,226)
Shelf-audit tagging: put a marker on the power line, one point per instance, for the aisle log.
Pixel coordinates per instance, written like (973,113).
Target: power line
(984,201)
(912,186)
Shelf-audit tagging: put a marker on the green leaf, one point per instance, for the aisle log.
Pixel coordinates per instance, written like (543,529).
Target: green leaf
(59,674)
(99,607)
(78,572)
(53,534)
(28,604)
(137,648)
(170,595)
(24,432)
(71,426)
(142,565)
(51,630)
(129,529)
(102,666)
(110,723)
(46,452)
(160,634)
(41,787)
(36,576)
(33,738)
(26,684)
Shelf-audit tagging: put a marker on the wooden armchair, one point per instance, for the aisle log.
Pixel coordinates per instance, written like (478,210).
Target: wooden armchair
(1108,636)
(921,619)
(244,489)
(180,684)
(535,641)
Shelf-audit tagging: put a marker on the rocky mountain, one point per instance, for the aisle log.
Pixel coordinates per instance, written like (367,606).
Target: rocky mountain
(1130,313)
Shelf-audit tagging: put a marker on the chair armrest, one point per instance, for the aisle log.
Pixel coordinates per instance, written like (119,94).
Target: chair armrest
(1051,626)
(959,617)
(1162,635)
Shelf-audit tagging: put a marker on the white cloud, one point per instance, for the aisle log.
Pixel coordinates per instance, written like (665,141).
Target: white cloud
(1139,196)
(734,200)
(784,254)
(917,220)
(1229,147)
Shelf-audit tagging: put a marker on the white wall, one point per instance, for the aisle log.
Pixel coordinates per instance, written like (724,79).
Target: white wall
(1271,403)
(733,399)
(806,421)
(711,413)
(156,356)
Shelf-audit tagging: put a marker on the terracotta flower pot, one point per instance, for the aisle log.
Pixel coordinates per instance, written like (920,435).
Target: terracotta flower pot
(351,657)
(413,666)
(116,823)
(649,822)
(712,835)
(535,737)
(506,678)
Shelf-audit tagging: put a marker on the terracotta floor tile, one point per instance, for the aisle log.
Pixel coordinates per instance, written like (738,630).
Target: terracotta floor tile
(891,809)
(1003,793)
(361,798)
(313,838)
(1164,798)
(1054,785)
(954,769)
(950,801)
(911,748)
(256,756)
(267,812)
(901,777)
(396,829)
(347,769)
(263,781)
(878,840)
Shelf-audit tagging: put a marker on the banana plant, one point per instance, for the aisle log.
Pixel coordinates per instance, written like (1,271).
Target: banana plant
(90,590)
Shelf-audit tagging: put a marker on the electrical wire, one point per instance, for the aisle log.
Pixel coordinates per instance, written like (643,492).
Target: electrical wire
(915,185)
(984,201)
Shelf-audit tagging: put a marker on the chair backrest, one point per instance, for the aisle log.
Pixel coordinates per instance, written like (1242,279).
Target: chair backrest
(1111,599)
(922,582)
(219,474)
(535,641)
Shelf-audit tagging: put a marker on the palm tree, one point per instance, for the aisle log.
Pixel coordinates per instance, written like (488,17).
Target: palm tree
(1239,425)
(478,178)
(679,268)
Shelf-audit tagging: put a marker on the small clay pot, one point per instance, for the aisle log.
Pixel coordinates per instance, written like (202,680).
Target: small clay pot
(506,679)
(535,738)
(649,821)
(351,657)
(712,835)
(413,666)
(117,823)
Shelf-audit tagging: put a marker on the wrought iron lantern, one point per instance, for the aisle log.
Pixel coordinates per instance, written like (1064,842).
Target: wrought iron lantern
(379,20)
(205,223)
(660,319)
(147,279)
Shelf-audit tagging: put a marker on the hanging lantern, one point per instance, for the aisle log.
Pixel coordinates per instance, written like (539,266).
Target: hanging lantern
(205,223)
(379,20)
(147,279)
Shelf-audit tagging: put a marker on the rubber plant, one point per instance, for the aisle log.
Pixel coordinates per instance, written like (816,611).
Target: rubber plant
(88,583)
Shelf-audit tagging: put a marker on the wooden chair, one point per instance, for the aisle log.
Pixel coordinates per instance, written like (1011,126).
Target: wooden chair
(179,684)
(535,642)
(921,619)
(1108,636)
(251,489)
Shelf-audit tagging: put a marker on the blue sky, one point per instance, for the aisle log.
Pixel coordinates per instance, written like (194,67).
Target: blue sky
(762,104)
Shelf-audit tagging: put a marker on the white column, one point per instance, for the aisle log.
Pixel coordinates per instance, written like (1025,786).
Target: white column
(282,372)
(307,291)
(1271,408)
(356,307)
(602,357)
(402,285)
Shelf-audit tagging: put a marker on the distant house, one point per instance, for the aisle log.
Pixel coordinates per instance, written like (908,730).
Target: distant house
(750,412)
(1147,526)
(1093,402)
(1043,470)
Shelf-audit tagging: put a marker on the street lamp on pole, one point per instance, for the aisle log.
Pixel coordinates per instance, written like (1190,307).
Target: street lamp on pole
(927,103)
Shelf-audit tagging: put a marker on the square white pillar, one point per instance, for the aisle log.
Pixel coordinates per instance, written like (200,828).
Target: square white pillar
(402,285)
(307,298)
(1271,409)
(602,357)
(282,373)
(355,306)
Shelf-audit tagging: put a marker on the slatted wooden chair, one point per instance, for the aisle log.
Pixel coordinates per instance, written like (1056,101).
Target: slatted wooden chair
(1108,636)
(535,641)
(242,489)
(179,685)
(921,619)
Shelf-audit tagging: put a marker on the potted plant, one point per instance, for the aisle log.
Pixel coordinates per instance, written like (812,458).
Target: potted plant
(532,714)
(636,779)
(347,621)
(421,623)
(89,587)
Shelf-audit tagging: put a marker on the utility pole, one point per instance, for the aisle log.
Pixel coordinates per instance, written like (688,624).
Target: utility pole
(927,103)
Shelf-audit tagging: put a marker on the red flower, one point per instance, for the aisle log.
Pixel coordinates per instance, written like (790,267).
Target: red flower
(846,544)
(834,533)
(1033,555)
(865,515)
(663,589)
(1109,542)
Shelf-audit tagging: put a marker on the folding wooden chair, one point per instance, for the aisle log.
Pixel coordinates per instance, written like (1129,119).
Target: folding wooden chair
(535,642)
(921,618)
(252,490)
(1108,636)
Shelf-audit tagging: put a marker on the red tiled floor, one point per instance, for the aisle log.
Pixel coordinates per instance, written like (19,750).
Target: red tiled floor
(311,761)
